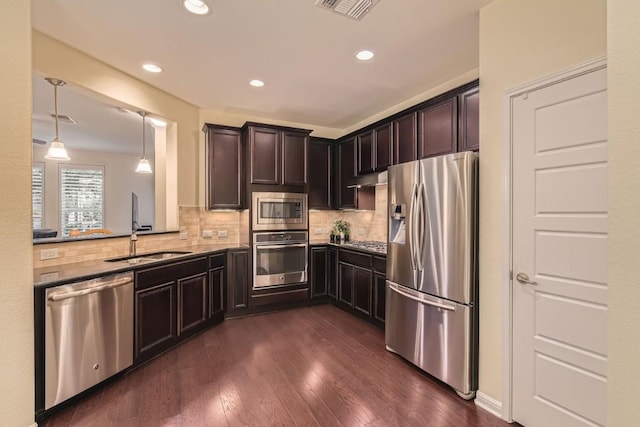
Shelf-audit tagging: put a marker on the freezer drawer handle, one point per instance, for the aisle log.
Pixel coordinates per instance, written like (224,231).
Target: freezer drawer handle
(423,301)
(87,291)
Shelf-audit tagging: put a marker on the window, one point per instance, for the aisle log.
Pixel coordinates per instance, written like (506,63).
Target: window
(81,198)
(37,194)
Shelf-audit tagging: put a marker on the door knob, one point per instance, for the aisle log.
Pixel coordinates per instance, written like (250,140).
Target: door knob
(524,279)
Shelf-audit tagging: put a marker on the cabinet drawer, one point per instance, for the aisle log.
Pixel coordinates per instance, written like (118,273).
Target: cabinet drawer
(216,261)
(168,272)
(380,264)
(355,258)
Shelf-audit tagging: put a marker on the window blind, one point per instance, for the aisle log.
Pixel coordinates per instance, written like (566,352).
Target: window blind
(81,198)
(37,189)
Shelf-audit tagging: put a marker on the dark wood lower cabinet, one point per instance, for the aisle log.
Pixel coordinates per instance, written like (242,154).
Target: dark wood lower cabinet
(155,320)
(360,283)
(238,281)
(362,289)
(345,283)
(192,303)
(379,296)
(318,271)
(175,300)
(216,292)
(332,264)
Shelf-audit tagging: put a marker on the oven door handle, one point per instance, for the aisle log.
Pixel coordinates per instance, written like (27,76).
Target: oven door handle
(284,245)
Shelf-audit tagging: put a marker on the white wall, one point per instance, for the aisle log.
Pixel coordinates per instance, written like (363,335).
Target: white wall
(16,280)
(520,41)
(120,179)
(53,58)
(624,211)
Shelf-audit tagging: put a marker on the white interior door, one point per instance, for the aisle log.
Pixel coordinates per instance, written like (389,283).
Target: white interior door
(560,242)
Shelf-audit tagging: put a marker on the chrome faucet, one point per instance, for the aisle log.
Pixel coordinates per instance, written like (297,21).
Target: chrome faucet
(132,243)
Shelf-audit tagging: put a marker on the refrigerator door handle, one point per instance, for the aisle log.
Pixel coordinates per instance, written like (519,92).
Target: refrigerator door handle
(412,227)
(443,306)
(422,227)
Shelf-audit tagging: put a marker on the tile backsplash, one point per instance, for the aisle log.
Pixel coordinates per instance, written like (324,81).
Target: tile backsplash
(365,225)
(203,226)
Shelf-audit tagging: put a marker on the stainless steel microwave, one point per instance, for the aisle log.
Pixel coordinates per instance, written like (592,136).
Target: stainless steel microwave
(279,211)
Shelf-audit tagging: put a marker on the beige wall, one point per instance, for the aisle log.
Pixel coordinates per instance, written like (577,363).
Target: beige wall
(16,304)
(520,41)
(56,59)
(624,210)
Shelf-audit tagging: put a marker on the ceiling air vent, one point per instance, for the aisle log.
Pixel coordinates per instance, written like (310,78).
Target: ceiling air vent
(354,9)
(64,119)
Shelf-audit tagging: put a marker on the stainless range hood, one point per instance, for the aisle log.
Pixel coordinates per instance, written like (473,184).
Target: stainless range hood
(370,180)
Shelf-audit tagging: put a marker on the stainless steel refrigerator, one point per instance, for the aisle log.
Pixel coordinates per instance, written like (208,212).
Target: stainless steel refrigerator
(431,311)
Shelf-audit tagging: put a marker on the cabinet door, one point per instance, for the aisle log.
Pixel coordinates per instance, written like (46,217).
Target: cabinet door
(295,146)
(192,302)
(468,120)
(366,153)
(383,137)
(320,175)
(224,168)
(238,280)
(347,174)
(379,292)
(405,139)
(216,293)
(438,129)
(264,148)
(332,279)
(155,320)
(362,290)
(318,271)
(345,283)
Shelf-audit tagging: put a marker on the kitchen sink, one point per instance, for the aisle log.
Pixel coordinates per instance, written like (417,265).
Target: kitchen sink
(154,256)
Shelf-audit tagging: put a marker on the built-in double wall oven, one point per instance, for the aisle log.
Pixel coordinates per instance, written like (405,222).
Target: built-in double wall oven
(280,239)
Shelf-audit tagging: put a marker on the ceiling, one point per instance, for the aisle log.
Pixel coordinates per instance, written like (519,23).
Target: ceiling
(305,54)
(100,126)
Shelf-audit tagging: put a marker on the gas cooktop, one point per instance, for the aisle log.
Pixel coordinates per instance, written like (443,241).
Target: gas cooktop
(370,245)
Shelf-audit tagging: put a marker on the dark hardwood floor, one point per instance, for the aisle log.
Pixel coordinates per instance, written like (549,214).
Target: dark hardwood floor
(310,366)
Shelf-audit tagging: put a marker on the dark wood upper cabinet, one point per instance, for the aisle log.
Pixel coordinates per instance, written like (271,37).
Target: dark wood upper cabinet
(438,129)
(383,138)
(366,153)
(225,189)
(348,196)
(294,158)
(277,155)
(469,120)
(264,149)
(320,164)
(405,137)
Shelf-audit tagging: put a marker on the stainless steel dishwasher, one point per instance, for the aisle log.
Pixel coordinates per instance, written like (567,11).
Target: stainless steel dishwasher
(88,334)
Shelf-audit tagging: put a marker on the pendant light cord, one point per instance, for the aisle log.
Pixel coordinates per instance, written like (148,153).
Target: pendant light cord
(144,152)
(55,104)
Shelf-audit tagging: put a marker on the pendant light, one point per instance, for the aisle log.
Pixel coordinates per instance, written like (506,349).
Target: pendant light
(143,165)
(56,149)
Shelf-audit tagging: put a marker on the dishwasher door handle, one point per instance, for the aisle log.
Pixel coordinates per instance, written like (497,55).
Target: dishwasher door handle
(72,294)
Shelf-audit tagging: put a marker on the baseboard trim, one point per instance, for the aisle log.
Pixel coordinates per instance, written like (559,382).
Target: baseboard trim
(489,404)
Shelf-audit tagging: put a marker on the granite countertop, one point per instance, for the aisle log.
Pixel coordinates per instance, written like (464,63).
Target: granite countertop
(65,273)
(349,245)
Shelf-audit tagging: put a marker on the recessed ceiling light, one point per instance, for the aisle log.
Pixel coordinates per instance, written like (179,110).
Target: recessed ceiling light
(364,55)
(157,122)
(256,83)
(152,68)
(197,7)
